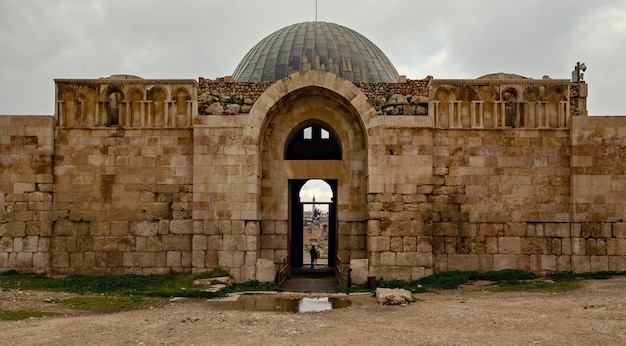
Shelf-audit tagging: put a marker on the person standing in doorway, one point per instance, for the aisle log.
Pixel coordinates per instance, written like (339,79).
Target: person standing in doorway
(314,255)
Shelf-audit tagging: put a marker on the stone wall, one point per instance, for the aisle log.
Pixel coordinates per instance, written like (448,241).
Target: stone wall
(26,192)
(435,175)
(226,197)
(122,201)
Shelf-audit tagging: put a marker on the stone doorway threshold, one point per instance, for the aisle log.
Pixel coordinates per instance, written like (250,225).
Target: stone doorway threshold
(306,279)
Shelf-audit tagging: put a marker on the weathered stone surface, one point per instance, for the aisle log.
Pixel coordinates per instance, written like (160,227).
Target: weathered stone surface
(215,108)
(359,271)
(265,270)
(161,188)
(393,296)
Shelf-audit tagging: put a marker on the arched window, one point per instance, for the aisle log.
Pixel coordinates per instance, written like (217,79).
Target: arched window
(313,142)
(510,109)
(114,100)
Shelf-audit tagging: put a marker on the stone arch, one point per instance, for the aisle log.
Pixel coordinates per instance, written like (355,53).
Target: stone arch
(69,98)
(136,97)
(114,97)
(341,87)
(316,146)
(302,99)
(90,95)
(180,98)
(158,95)
(510,96)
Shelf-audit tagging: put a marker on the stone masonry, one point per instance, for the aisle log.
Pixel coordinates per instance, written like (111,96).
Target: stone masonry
(151,176)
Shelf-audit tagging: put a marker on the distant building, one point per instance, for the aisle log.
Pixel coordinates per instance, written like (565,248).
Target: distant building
(147,176)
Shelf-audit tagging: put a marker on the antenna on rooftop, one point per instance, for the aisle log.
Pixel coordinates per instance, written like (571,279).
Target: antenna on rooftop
(316,11)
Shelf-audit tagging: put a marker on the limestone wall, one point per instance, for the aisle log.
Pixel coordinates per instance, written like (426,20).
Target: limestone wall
(434,175)
(122,201)
(26,192)
(599,169)
(226,198)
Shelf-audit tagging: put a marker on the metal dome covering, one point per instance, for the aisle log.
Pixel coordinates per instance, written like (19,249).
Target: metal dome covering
(316,46)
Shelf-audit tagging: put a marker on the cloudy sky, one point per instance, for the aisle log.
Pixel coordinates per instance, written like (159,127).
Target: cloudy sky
(45,39)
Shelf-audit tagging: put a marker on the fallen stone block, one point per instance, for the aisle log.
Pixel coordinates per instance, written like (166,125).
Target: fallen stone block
(393,296)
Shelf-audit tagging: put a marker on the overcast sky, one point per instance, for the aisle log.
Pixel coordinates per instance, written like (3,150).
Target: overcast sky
(45,39)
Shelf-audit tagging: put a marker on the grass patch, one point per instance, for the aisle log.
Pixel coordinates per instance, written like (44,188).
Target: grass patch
(453,279)
(24,314)
(172,284)
(129,287)
(504,280)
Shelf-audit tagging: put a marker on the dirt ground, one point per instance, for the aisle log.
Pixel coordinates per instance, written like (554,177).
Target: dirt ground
(593,315)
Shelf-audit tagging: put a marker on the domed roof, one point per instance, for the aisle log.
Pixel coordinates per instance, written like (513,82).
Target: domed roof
(316,46)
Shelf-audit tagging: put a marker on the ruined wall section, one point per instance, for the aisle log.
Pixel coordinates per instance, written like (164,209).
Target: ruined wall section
(224,96)
(26,192)
(122,201)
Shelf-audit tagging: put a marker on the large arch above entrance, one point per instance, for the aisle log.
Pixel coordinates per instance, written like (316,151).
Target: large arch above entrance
(312,98)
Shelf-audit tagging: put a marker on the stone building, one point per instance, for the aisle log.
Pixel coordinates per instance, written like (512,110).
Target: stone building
(147,176)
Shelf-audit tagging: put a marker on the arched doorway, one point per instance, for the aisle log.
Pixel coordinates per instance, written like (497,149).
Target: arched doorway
(313,223)
(312,140)
(296,115)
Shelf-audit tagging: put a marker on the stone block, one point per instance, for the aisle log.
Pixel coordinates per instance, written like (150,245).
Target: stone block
(173,259)
(251,228)
(425,244)
(373,228)
(197,260)
(579,246)
(463,262)
(144,228)
(199,242)
(24,260)
(564,263)
(181,226)
(581,264)
(509,245)
(523,262)
(396,244)
(617,263)
(502,261)
(378,244)
(388,258)
(60,260)
(136,259)
(176,242)
(104,244)
(485,262)
(560,230)
(599,263)
(548,263)
(265,270)
(41,260)
(359,271)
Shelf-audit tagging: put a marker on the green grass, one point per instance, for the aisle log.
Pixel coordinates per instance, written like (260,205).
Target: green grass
(105,293)
(118,292)
(24,314)
(172,284)
(504,280)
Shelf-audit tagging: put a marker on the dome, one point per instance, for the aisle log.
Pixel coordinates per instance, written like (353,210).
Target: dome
(316,46)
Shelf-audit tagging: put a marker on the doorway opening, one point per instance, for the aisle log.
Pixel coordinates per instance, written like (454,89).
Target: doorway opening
(313,224)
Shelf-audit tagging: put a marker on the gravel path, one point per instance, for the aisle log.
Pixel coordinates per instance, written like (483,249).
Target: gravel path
(593,315)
